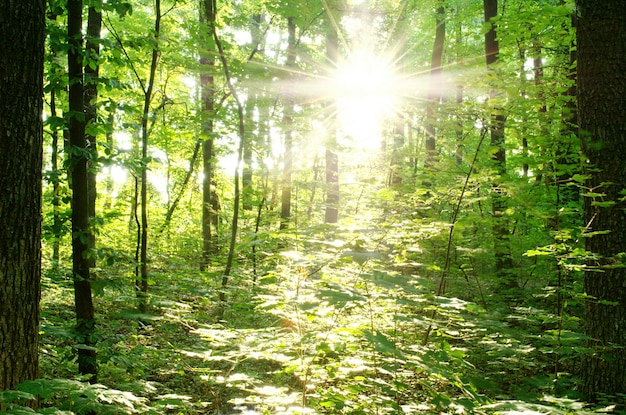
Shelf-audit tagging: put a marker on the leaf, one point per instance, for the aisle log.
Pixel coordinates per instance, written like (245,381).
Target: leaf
(340,295)
(606,203)
(14,395)
(382,343)
(580,178)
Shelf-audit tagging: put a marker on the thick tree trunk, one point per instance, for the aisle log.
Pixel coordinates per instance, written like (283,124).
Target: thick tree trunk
(21,135)
(81,233)
(601,90)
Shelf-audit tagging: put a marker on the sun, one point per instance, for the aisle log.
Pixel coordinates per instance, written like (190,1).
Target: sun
(365,91)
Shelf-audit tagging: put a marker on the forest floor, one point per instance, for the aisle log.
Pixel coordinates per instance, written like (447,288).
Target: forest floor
(312,335)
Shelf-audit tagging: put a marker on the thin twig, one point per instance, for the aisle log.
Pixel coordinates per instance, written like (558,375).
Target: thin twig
(444,270)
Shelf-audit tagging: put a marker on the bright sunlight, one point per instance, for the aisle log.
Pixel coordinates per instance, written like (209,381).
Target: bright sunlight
(365,93)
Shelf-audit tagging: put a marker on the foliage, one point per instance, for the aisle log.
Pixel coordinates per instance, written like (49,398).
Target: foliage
(396,309)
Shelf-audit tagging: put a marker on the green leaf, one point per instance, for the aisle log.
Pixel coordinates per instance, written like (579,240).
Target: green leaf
(382,343)
(15,395)
(606,203)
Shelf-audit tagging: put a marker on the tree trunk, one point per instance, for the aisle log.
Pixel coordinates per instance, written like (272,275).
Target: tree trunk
(434,93)
(57,231)
(285,199)
(109,140)
(246,173)
(252,123)
(141,283)
(21,135)
(81,233)
(397,156)
(332,159)
(601,91)
(500,229)
(241,133)
(210,203)
(94,24)
(183,187)
(567,153)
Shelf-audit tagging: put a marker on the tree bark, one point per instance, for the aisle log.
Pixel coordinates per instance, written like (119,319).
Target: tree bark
(21,134)
(332,159)
(601,92)
(567,152)
(241,133)
(285,199)
(434,93)
(141,283)
(183,187)
(500,229)
(81,233)
(210,203)
(251,122)
(94,24)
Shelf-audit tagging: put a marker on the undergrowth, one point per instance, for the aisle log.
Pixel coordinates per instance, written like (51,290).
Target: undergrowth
(332,326)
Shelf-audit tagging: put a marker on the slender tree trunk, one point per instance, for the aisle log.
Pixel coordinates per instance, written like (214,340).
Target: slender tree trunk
(22,25)
(397,156)
(246,174)
(567,153)
(81,233)
(55,178)
(601,45)
(285,199)
(241,132)
(183,187)
(458,150)
(252,124)
(434,93)
(141,284)
(501,234)
(94,24)
(210,203)
(332,158)
(109,140)
(315,181)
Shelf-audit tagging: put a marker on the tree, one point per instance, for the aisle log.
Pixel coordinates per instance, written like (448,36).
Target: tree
(94,25)
(435,92)
(502,249)
(141,274)
(601,92)
(55,75)
(285,199)
(210,203)
(331,214)
(81,233)
(22,26)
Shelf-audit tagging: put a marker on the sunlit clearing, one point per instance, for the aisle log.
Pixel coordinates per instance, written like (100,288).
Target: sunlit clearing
(365,93)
